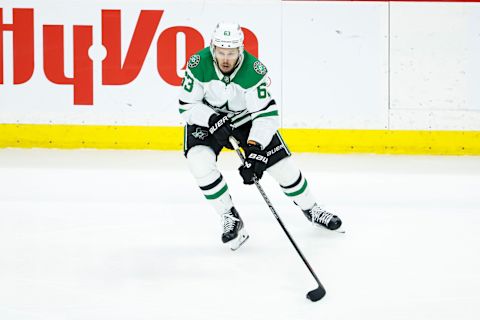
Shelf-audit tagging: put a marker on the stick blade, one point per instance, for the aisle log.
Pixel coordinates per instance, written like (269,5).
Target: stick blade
(316,294)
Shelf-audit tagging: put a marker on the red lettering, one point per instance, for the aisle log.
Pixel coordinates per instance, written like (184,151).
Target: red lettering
(54,61)
(23,44)
(250,42)
(167,51)
(113,71)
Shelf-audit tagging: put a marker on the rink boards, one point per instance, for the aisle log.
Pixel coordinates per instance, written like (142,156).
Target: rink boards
(349,76)
(302,140)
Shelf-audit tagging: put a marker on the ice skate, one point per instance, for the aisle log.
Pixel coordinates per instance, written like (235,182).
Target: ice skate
(234,234)
(321,218)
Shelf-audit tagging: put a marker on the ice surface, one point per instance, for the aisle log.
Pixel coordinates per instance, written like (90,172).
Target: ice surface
(88,234)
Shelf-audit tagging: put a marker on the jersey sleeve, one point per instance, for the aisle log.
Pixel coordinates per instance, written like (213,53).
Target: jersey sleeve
(264,113)
(191,106)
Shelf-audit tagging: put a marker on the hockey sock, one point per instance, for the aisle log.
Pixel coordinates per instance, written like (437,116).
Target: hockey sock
(217,195)
(300,193)
(293,183)
(202,164)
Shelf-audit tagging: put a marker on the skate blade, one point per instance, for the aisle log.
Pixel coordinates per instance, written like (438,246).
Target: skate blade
(339,230)
(238,241)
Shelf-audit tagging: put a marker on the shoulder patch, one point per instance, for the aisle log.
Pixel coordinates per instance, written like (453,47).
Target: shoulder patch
(259,68)
(194,61)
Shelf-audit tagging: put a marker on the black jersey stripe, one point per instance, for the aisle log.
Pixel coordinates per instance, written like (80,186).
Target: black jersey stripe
(205,102)
(241,118)
(271,103)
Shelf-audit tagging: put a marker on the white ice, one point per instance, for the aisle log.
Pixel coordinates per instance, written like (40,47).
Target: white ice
(89,234)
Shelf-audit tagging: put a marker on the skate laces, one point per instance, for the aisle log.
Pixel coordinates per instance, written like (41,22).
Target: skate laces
(228,221)
(321,216)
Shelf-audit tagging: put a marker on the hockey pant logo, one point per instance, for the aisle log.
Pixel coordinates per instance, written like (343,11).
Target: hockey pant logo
(274,150)
(200,134)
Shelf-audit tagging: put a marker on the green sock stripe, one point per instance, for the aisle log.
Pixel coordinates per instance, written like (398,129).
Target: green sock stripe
(296,193)
(217,194)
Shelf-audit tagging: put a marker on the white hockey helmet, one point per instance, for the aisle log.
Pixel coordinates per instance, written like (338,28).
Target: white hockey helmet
(227,35)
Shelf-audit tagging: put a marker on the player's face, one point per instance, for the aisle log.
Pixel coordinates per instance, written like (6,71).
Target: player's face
(226,58)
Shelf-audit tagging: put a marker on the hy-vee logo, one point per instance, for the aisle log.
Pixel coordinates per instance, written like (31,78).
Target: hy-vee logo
(29,34)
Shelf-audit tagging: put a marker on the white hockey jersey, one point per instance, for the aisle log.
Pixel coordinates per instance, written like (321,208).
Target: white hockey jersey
(243,95)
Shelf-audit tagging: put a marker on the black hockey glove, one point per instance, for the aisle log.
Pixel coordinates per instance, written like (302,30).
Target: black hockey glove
(220,127)
(255,163)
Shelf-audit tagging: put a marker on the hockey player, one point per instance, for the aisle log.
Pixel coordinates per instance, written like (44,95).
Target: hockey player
(224,93)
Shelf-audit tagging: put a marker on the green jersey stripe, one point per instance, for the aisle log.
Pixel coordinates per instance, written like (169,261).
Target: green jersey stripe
(267,114)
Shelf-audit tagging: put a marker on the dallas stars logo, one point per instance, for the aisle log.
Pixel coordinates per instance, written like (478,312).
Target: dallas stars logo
(193,61)
(200,134)
(259,68)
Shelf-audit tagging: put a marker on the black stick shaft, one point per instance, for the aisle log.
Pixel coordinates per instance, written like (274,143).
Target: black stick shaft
(272,209)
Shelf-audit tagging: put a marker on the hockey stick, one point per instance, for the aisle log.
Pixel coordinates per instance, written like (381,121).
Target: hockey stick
(315,294)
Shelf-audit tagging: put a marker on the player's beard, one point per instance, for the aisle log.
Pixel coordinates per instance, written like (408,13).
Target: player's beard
(227,68)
